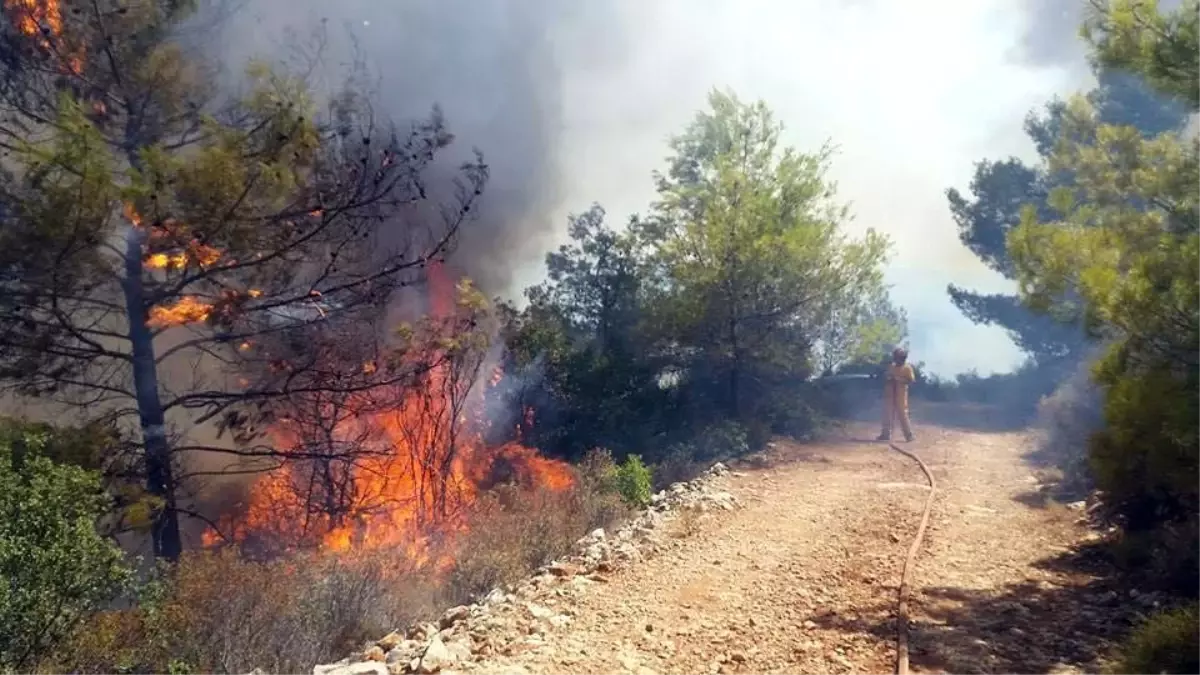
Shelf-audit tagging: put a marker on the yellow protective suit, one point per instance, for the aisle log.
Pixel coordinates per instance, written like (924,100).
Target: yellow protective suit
(895,398)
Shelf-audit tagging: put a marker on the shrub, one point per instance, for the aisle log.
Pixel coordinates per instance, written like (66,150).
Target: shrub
(597,472)
(218,612)
(1146,459)
(513,532)
(634,481)
(678,465)
(1167,642)
(685,460)
(1166,557)
(598,490)
(55,567)
(721,440)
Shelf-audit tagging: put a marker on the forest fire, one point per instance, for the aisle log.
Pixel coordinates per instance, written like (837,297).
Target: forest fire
(36,17)
(168,255)
(188,309)
(43,20)
(401,478)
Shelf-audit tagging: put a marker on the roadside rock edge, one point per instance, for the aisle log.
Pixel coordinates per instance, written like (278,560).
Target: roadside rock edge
(516,618)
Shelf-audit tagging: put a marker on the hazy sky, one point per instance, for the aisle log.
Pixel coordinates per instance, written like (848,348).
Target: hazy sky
(912,92)
(573,101)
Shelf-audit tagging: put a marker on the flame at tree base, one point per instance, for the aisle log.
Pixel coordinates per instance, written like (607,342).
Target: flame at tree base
(391,502)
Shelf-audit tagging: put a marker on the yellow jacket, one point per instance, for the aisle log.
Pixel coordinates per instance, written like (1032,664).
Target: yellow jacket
(896,381)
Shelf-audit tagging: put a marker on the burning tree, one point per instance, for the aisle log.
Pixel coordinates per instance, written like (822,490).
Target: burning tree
(150,221)
(394,465)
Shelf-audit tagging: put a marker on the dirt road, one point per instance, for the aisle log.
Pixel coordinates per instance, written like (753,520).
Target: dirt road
(803,579)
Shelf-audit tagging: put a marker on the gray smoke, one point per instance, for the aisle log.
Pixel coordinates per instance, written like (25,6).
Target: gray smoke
(1066,421)
(495,67)
(1051,35)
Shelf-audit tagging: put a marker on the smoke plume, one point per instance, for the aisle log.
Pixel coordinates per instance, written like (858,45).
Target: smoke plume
(1051,34)
(1050,37)
(1066,421)
(494,68)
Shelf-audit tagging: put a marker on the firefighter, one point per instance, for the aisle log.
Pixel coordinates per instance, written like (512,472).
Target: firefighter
(898,376)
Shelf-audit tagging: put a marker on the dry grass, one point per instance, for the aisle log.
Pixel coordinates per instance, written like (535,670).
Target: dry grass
(687,523)
(517,532)
(217,612)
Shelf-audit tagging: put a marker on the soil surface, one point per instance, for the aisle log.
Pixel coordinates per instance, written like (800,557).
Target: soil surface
(804,578)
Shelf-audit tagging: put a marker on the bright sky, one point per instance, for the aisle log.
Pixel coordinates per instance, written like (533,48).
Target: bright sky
(913,93)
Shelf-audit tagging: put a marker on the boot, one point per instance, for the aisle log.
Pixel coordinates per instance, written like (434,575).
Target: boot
(884,437)
(909,438)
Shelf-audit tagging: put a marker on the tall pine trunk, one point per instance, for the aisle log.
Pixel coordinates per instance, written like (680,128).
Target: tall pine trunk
(160,481)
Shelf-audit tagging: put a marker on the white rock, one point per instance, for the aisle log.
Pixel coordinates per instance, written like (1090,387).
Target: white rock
(436,657)
(539,612)
(403,652)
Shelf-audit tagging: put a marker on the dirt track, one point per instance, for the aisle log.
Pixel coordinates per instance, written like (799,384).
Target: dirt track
(803,579)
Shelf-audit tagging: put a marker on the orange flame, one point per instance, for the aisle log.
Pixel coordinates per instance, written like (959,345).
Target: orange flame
(188,309)
(415,474)
(42,20)
(201,254)
(396,497)
(36,17)
(167,235)
(131,214)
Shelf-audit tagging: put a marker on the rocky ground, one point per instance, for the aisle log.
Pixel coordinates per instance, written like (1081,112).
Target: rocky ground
(789,563)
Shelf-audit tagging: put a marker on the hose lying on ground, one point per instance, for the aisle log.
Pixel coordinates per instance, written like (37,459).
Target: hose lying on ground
(902,606)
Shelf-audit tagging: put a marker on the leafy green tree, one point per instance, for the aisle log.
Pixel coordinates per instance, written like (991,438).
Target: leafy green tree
(55,567)
(137,200)
(578,354)
(702,320)
(1000,189)
(1124,250)
(752,256)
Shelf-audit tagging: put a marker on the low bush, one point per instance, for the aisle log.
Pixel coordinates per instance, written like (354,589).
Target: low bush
(216,611)
(676,466)
(55,567)
(1166,557)
(718,441)
(723,440)
(634,481)
(1147,457)
(1168,642)
(514,532)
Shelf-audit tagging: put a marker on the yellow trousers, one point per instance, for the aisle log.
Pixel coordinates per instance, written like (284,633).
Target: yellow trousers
(895,409)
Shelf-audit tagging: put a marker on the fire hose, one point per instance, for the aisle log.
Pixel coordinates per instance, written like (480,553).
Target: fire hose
(913,549)
(906,571)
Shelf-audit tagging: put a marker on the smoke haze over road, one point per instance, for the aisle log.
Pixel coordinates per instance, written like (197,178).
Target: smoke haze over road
(573,102)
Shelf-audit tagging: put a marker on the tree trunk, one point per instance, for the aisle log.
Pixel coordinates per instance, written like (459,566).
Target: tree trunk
(160,480)
(735,370)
